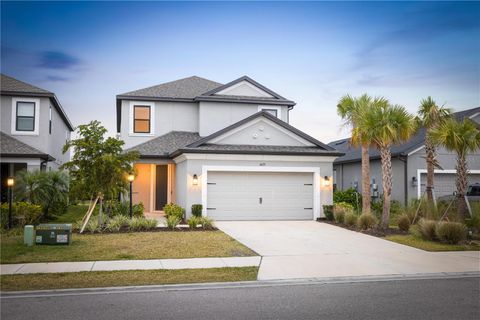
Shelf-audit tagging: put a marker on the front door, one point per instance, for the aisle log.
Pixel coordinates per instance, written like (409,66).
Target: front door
(161,187)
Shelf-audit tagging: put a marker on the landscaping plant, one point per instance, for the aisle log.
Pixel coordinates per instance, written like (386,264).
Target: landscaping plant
(207,223)
(197,210)
(403,222)
(428,229)
(174,210)
(23,213)
(350,196)
(366,221)
(193,222)
(451,232)
(351,219)
(93,226)
(172,222)
(141,224)
(116,223)
(339,216)
(328,211)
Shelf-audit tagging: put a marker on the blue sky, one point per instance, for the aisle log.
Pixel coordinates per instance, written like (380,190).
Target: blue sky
(310,52)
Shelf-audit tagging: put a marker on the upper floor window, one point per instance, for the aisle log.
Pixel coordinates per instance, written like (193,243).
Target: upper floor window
(141,119)
(25,116)
(50,120)
(274,111)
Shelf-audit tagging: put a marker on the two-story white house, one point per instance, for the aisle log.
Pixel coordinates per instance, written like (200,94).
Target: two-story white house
(34,128)
(228,147)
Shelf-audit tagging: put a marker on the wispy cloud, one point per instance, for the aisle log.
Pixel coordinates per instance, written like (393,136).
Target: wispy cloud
(57,60)
(54,78)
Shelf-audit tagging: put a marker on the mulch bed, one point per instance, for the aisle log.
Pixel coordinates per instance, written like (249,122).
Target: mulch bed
(158,229)
(372,232)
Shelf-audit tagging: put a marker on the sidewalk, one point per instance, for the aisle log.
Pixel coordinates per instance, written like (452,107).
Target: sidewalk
(196,263)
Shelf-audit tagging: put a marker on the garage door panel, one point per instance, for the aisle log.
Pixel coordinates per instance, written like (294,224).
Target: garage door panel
(236,196)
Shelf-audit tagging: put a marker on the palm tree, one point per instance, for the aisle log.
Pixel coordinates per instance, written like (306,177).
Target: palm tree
(430,116)
(387,125)
(461,138)
(350,109)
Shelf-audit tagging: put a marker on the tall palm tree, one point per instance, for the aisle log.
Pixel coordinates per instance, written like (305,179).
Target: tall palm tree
(387,125)
(430,116)
(462,138)
(350,109)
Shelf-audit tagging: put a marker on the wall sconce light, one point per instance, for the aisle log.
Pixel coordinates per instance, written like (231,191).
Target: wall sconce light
(195,180)
(414,181)
(326,181)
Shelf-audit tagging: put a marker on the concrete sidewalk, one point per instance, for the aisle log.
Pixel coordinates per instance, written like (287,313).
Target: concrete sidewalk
(195,263)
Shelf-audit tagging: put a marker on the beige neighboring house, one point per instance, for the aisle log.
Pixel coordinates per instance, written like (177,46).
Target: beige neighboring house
(33,129)
(228,147)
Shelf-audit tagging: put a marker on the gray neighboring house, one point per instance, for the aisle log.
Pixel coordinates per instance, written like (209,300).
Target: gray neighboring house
(408,166)
(34,127)
(228,147)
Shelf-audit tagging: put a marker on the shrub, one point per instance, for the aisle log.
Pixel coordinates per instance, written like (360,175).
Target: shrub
(474,221)
(172,222)
(141,224)
(174,210)
(328,211)
(403,222)
(193,222)
(351,219)
(339,216)
(197,210)
(427,229)
(23,213)
(366,221)
(207,223)
(396,209)
(451,232)
(76,225)
(123,208)
(93,226)
(137,209)
(116,223)
(350,196)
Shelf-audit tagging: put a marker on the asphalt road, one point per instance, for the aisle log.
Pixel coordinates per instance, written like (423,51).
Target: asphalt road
(437,299)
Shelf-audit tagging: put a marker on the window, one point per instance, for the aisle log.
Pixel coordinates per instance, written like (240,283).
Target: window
(25,116)
(50,120)
(141,119)
(273,110)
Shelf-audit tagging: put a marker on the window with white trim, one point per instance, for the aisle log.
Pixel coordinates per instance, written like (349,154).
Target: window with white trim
(50,120)
(274,111)
(25,116)
(141,119)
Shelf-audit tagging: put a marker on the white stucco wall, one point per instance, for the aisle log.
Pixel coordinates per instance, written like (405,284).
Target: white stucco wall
(188,194)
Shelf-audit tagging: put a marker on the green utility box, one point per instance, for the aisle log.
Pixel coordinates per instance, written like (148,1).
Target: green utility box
(53,234)
(28,235)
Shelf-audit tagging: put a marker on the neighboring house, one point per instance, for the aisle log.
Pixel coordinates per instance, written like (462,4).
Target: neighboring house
(228,147)
(34,129)
(408,166)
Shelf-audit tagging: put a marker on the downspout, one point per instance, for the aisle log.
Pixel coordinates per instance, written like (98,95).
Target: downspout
(404,159)
(288,113)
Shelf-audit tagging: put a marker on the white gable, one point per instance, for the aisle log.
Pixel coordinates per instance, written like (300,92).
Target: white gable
(261,131)
(244,88)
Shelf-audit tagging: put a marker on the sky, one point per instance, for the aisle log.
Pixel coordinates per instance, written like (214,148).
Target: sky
(309,52)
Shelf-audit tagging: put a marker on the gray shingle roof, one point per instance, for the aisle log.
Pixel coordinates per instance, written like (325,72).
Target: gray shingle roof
(258,149)
(9,146)
(9,84)
(164,145)
(187,88)
(353,154)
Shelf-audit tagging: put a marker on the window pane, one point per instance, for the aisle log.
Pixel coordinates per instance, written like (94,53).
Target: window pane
(142,113)
(26,109)
(142,126)
(273,112)
(25,124)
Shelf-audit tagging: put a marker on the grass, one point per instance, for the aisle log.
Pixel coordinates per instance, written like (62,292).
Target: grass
(73,214)
(125,246)
(419,243)
(66,280)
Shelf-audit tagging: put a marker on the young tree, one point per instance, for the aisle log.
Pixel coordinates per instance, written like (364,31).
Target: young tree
(99,166)
(350,109)
(461,138)
(430,116)
(387,125)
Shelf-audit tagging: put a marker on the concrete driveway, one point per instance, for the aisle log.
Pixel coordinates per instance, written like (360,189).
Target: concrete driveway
(309,249)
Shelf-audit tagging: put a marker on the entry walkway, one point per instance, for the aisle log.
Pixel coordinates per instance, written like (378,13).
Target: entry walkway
(115,265)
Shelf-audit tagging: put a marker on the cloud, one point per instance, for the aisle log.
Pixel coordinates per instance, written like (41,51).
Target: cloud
(57,60)
(57,78)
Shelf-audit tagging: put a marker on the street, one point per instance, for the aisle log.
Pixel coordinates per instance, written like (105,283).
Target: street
(454,298)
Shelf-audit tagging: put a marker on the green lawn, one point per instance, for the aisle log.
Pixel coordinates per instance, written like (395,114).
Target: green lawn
(126,246)
(417,242)
(73,214)
(124,278)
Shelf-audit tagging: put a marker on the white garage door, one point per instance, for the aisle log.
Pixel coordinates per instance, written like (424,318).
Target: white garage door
(260,196)
(444,183)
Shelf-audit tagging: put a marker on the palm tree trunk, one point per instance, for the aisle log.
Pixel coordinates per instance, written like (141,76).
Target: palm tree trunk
(461,184)
(430,151)
(366,199)
(386,157)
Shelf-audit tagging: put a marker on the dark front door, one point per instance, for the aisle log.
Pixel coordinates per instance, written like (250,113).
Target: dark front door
(161,187)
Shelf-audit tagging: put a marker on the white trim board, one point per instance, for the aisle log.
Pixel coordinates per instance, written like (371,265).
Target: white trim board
(447,171)
(314,170)
(151,104)
(36,115)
